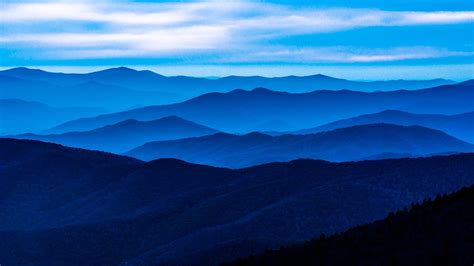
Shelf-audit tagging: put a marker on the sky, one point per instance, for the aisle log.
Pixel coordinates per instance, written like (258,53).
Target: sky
(362,40)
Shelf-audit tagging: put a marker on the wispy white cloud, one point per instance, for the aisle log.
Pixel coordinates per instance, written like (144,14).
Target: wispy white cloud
(234,27)
(242,13)
(164,39)
(286,21)
(152,14)
(342,54)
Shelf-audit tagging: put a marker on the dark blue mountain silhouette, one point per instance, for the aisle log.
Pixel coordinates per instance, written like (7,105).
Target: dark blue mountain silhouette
(460,126)
(345,144)
(65,206)
(245,111)
(127,134)
(19,116)
(403,238)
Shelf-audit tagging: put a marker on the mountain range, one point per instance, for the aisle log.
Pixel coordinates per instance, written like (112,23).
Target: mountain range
(118,89)
(265,110)
(107,209)
(161,170)
(17,116)
(460,126)
(146,80)
(345,144)
(125,135)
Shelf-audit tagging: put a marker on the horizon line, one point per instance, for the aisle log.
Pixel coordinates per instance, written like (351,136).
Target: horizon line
(95,69)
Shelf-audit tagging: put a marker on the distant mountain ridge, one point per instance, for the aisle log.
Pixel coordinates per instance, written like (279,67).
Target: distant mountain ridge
(127,134)
(245,111)
(109,209)
(344,144)
(87,93)
(192,86)
(19,116)
(460,126)
(122,88)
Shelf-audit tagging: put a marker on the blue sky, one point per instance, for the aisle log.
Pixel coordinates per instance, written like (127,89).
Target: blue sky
(363,40)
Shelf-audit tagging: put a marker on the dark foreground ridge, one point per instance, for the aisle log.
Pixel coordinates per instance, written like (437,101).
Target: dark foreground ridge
(436,232)
(65,206)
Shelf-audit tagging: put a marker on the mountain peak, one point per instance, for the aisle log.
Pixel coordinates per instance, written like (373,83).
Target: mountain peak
(255,90)
(256,134)
(114,71)
(24,70)
(19,69)
(392,111)
(166,119)
(261,90)
(123,69)
(321,76)
(121,72)
(172,118)
(235,91)
(117,70)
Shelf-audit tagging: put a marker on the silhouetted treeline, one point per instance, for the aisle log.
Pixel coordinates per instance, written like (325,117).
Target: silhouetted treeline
(436,232)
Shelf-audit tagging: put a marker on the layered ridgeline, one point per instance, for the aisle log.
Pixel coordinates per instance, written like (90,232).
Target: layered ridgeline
(403,238)
(345,144)
(86,94)
(460,126)
(125,135)
(191,86)
(263,110)
(70,206)
(18,116)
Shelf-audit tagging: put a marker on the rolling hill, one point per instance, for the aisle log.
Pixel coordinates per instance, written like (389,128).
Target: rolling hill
(345,144)
(127,134)
(19,116)
(107,209)
(263,109)
(460,126)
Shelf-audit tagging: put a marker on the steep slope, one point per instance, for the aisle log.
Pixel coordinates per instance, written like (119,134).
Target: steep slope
(345,144)
(18,116)
(93,206)
(127,134)
(460,126)
(244,111)
(403,238)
